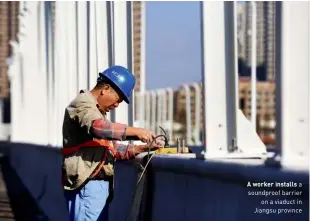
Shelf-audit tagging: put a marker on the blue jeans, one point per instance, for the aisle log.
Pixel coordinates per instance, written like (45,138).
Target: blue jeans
(89,203)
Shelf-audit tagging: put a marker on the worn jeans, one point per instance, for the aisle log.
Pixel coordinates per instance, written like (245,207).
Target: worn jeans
(89,203)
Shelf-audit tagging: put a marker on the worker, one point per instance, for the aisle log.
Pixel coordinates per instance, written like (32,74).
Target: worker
(91,144)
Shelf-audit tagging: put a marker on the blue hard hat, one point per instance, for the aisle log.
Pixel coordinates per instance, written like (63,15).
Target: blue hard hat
(120,78)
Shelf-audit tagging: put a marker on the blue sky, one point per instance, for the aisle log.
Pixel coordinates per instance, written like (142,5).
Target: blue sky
(173,54)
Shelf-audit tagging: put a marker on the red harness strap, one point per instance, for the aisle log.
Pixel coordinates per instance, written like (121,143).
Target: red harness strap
(92,143)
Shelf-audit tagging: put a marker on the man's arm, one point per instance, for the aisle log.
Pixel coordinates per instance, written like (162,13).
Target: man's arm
(105,129)
(91,118)
(129,151)
(124,151)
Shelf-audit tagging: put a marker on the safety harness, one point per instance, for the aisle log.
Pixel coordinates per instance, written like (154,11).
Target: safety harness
(92,143)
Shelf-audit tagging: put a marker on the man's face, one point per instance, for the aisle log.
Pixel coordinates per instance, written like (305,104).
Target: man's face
(109,99)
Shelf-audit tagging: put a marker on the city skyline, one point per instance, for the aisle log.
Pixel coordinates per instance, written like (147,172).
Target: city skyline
(180,37)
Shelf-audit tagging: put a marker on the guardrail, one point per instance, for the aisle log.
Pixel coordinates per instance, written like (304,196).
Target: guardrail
(179,187)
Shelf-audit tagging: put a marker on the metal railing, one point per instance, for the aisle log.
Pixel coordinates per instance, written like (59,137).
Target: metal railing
(45,57)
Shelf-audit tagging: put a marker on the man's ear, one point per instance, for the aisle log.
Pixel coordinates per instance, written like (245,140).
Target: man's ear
(105,89)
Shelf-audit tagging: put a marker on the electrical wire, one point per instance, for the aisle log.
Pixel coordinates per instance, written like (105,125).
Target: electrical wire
(154,139)
(149,158)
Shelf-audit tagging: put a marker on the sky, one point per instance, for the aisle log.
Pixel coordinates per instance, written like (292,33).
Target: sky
(173,52)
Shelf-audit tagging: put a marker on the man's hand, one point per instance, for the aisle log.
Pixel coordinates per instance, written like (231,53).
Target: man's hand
(145,148)
(145,135)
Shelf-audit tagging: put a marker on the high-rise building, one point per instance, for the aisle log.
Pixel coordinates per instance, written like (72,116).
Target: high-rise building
(138,9)
(241,33)
(270,36)
(265,38)
(8,31)
(266,109)
(137,30)
(180,107)
(260,41)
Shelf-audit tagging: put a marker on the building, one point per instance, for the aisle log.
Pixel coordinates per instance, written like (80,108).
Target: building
(265,39)
(241,33)
(270,36)
(260,40)
(180,107)
(9,11)
(137,10)
(266,105)
(137,16)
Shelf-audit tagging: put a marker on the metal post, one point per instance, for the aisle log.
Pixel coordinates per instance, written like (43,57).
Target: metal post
(159,111)
(72,50)
(141,108)
(82,38)
(129,25)
(188,114)
(148,109)
(121,34)
(92,28)
(253,66)
(170,112)
(231,90)
(52,78)
(17,71)
(102,36)
(164,108)
(65,68)
(153,111)
(26,56)
(18,78)
(197,113)
(292,79)
(111,36)
(42,136)
(103,41)
(14,76)
(50,75)
(236,74)
(143,105)
(219,89)
(33,76)
(60,64)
